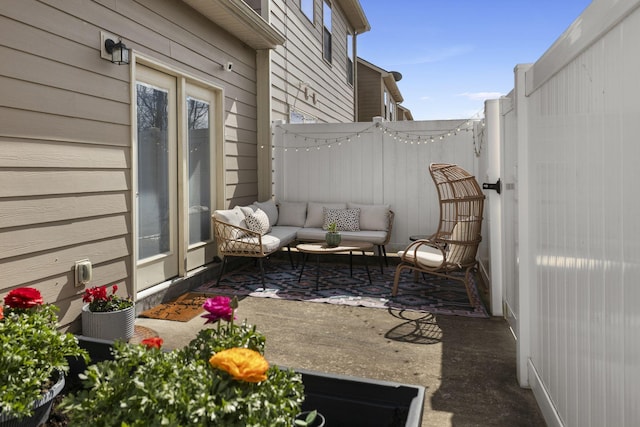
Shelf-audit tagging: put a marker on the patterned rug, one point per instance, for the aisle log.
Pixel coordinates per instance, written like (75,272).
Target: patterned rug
(431,294)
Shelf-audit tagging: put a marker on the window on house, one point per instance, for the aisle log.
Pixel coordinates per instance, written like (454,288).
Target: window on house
(326,21)
(350,59)
(297,116)
(385,101)
(307,8)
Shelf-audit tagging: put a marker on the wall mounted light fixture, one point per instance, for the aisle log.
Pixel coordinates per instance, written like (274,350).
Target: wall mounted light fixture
(119,51)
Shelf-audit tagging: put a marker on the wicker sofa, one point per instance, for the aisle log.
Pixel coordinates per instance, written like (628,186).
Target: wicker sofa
(260,229)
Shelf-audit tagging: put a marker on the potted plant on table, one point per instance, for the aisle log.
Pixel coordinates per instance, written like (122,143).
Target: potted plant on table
(33,358)
(220,378)
(332,236)
(106,315)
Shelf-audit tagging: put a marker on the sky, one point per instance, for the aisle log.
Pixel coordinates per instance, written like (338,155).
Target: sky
(454,54)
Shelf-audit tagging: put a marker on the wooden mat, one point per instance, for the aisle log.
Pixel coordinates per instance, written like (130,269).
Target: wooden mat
(181,309)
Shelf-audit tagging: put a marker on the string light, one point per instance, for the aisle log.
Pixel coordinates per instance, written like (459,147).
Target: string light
(386,128)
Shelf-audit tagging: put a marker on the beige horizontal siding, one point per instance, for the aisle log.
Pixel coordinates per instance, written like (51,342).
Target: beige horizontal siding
(301,60)
(65,131)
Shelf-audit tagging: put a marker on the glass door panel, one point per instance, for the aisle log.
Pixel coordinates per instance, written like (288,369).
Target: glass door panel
(157,199)
(199,163)
(154,229)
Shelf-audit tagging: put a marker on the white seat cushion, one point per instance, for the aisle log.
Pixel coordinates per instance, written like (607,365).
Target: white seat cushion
(427,255)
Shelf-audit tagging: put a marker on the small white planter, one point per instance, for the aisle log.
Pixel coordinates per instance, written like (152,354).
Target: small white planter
(111,325)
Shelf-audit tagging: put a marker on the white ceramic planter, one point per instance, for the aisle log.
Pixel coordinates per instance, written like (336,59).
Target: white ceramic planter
(112,325)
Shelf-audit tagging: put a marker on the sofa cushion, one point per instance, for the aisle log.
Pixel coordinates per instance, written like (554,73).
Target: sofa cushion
(269,207)
(233,216)
(318,235)
(258,222)
(345,219)
(248,244)
(285,234)
(292,213)
(426,255)
(372,217)
(315,212)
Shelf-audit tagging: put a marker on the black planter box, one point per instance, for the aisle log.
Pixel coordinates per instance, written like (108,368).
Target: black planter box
(351,401)
(343,400)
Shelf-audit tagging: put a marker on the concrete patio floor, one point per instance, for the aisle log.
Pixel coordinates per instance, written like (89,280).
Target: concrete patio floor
(467,365)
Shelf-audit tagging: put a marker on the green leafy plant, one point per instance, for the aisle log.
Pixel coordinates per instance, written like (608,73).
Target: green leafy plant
(101,301)
(219,378)
(32,349)
(332,227)
(308,420)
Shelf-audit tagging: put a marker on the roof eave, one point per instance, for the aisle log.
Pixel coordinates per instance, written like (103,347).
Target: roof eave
(236,17)
(390,83)
(355,15)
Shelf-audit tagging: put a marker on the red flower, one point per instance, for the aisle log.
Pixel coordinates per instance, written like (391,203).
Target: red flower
(154,342)
(1,312)
(23,298)
(218,308)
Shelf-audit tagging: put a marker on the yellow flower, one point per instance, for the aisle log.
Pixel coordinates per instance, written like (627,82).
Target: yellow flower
(242,364)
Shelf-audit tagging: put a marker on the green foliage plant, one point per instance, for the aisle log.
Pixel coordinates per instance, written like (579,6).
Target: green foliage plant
(147,386)
(32,350)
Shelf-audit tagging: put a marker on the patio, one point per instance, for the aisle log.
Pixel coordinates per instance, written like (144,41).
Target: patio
(467,365)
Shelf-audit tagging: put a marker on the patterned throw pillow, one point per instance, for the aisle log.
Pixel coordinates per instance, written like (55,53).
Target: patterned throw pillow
(258,222)
(345,219)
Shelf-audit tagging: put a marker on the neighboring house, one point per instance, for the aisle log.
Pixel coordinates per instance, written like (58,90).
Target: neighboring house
(122,165)
(312,75)
(378,93)
(403,113)
(312,78)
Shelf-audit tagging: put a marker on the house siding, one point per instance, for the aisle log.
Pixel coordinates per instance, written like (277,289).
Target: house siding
(65,132)
(370,101)
(300,60)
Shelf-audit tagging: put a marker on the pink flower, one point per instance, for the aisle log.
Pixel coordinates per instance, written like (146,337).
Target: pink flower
(218,308)
(23,298)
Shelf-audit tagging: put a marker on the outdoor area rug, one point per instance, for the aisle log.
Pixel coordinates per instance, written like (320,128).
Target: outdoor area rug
(430,294)
(181,309)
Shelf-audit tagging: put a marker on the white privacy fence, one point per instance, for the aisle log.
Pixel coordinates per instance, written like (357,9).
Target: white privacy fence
(572,122)
(374,162)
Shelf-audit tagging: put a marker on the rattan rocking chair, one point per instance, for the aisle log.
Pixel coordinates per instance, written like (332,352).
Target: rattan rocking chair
(453,247)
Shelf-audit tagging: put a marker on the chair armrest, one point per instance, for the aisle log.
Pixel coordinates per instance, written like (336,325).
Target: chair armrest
(390,228)
(237,241)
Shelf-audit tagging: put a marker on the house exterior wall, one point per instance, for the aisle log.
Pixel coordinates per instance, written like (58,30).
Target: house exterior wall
(370,89)
(299,64)
(65,132)
(576,113)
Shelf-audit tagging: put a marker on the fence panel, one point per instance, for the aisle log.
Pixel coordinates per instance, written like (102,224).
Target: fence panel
(377,162)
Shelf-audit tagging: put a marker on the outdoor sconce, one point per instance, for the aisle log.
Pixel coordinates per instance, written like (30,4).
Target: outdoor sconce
(119,52)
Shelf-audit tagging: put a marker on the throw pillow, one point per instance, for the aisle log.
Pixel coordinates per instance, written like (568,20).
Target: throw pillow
(315,213)
(269,207)
(258,222)
(345,219)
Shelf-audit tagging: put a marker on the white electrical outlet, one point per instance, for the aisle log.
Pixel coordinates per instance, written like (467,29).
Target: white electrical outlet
(83,272)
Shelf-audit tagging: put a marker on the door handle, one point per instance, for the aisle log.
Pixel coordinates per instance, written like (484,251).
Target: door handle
(497,186)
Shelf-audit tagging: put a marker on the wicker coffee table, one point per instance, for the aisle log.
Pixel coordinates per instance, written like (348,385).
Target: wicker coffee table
(321,248)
